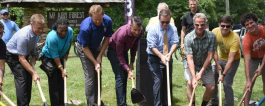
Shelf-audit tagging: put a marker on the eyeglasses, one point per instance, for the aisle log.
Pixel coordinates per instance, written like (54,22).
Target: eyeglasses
(199,25)
(227,26)
(162,22)
(2,33)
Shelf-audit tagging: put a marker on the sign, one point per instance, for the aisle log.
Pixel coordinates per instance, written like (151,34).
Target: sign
(74,17)
(129,10)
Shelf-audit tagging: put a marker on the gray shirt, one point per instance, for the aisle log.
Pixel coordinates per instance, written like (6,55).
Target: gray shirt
(23,42)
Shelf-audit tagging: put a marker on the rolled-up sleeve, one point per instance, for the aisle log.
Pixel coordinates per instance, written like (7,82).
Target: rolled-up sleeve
(188,46)
(213,43)
(152,38)
(174,38)
(84,36)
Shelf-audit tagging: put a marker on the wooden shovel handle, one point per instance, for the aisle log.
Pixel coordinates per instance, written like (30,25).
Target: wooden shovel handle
(192,95)
(65,90)
(40,90)
(168,87)
(246,91)
(7,99)
(220,90)
(133,86)
(99,101)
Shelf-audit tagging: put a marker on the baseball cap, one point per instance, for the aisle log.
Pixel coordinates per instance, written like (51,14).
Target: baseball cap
(4,11)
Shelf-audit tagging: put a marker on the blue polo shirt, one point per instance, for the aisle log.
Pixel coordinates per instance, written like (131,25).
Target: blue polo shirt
(155,38)
(91,35)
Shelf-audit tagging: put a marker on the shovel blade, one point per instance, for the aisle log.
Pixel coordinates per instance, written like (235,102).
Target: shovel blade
(137,96)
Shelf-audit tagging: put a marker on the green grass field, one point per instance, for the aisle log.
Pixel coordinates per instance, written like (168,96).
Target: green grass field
(76,89)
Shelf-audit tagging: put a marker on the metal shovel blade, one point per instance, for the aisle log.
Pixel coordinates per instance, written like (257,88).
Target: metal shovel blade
(137,96)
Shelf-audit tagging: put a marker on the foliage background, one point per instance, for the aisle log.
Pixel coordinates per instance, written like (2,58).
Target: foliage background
(147,8)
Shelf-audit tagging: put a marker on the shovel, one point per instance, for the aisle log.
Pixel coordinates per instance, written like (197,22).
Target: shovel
(99,101)
(220,89)
(245,93)
(136,95)
(192,95)
(7,99)
(65,90)
(41,93)
(168,87)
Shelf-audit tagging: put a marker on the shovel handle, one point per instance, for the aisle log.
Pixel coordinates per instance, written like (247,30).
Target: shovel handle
(7,99)
(99,101)
(40,90)
(220,90)
(246,91)
(192,95)
(65,90)
(133,86)
(168,87)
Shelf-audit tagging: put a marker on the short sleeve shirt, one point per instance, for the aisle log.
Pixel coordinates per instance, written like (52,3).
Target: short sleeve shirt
(187,21)
(227,44)
(56,46)
(2,50)
(23,42)
(91,35)
(252,44)
(199,48)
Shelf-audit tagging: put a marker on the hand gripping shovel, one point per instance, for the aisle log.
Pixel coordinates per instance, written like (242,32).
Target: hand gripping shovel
(65,90)
(192,95)
(99,101)
(41,93)
(136,95)
(245,93)
(7,99)
(220,90)
(168,87)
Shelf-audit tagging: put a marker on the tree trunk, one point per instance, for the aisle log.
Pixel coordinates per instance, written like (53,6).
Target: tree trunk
(227,7)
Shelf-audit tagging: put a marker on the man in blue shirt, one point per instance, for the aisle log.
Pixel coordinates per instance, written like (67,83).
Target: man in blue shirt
(92,31)
(10,26)
(20,46)
(158,56)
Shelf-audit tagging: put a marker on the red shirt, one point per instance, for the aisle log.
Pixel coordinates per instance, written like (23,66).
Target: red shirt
(252,44)
(121,41)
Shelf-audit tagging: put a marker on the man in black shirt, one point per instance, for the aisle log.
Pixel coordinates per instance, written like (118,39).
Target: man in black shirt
(2,55)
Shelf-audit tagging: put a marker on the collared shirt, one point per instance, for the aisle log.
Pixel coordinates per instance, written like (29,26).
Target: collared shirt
(91,35)
(9,27)
(123,40)
(56,46)
(2,50)
(187,21)
(155,20)
(23,42)
(199,48)
(155,38)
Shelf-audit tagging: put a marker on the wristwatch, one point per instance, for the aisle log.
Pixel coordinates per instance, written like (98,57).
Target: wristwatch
(223,74)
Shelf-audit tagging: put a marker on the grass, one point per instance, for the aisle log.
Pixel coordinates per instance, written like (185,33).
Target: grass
(76,89)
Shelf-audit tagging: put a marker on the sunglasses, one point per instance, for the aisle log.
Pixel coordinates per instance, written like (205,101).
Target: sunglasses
(227,26)
(199,25)
(5,14)
(167,22)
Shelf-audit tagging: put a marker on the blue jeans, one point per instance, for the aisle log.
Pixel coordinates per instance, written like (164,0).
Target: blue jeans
(159,70)
(121,76)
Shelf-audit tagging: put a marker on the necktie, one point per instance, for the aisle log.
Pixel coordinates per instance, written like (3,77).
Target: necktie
(165,46)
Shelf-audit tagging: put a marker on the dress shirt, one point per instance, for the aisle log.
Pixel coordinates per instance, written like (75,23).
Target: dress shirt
(155,38)
(121,41)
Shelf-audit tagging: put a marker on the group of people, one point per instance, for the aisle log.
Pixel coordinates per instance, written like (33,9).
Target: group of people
(200,47)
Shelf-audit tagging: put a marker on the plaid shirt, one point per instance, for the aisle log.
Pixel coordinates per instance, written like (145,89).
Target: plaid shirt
(199,48)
